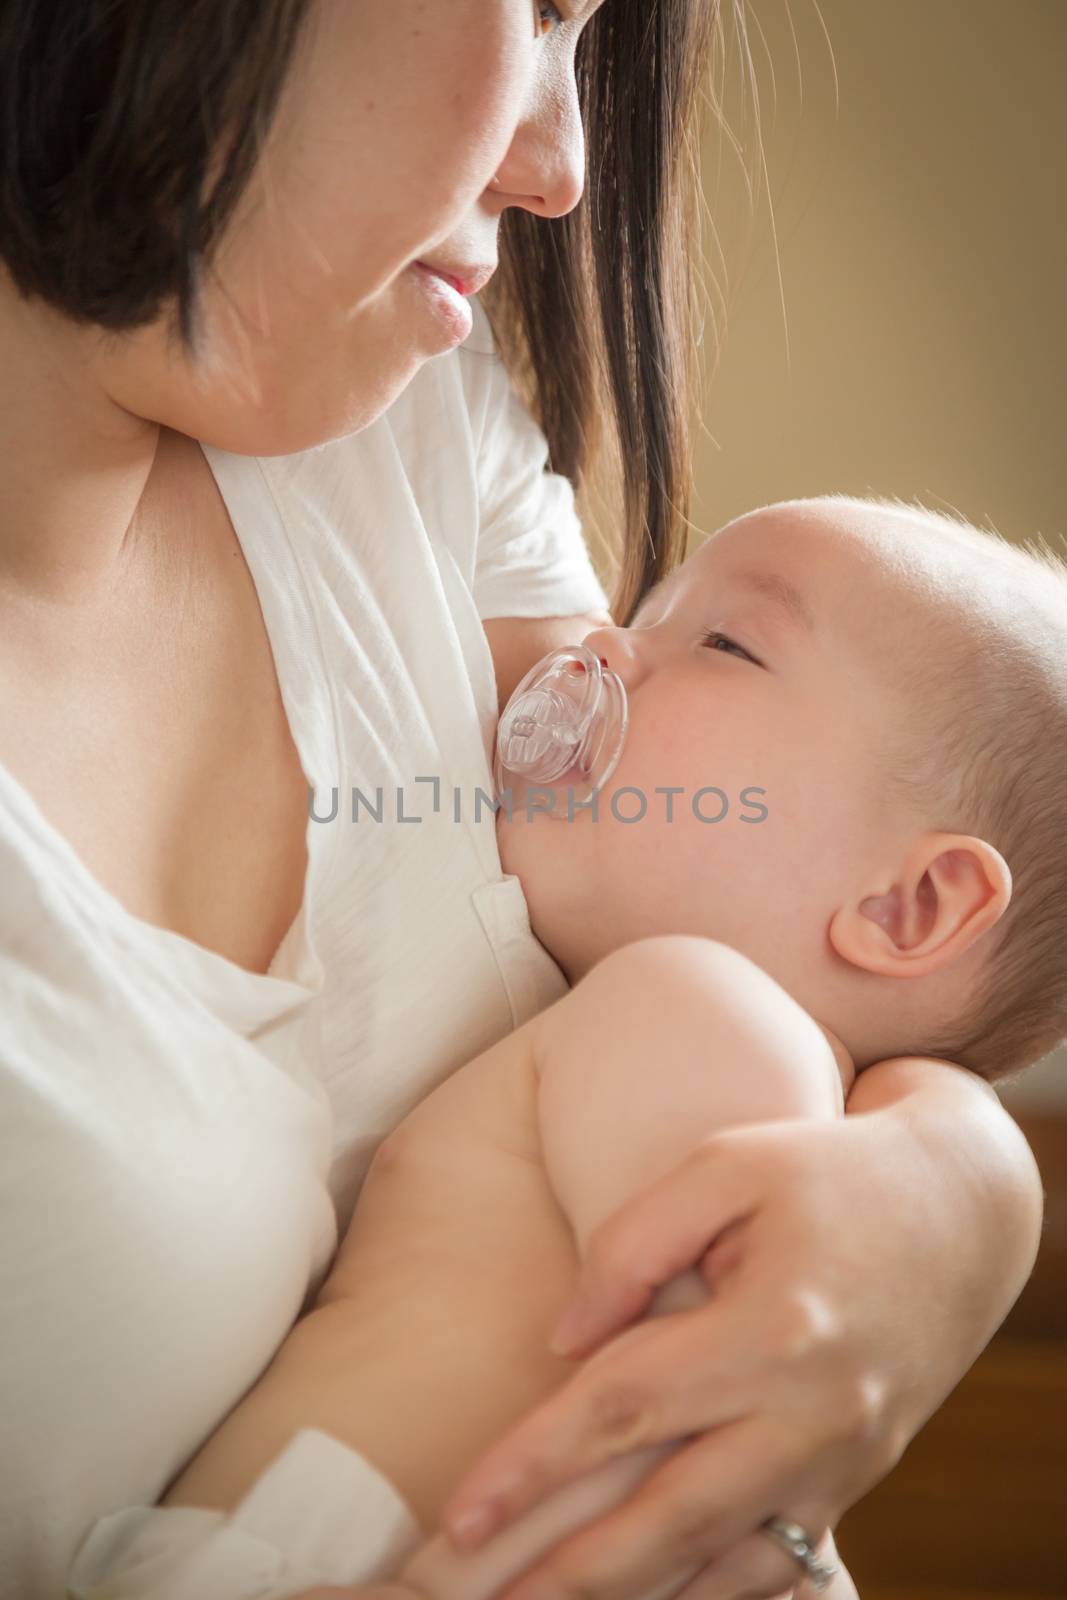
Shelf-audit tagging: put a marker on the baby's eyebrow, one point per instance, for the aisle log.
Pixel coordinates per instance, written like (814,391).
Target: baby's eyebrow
(646,601)
(771,585)
(781,593)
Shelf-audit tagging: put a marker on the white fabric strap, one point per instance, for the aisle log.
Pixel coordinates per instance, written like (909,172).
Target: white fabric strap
(320,1514)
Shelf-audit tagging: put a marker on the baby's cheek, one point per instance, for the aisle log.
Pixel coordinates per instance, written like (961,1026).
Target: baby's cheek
(675,741)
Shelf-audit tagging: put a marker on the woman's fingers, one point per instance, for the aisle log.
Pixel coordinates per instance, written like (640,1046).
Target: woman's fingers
(661,1381)
(772,1365)
(374,1591)
(648,1241)
(699,1508)
(840,1587)
(658,1233)
(750,1569)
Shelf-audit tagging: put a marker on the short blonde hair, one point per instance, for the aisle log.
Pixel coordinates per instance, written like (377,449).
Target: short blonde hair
(988,756)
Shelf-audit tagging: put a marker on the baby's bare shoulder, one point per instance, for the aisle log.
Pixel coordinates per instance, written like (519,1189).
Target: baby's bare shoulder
(682,978)
(683,1002)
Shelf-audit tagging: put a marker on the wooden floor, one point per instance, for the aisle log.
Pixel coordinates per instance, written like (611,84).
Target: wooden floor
(977,1508)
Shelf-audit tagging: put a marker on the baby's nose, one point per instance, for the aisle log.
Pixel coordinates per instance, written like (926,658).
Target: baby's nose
(615,649)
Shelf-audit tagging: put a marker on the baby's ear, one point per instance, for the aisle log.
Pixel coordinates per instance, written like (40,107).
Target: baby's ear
(947,892)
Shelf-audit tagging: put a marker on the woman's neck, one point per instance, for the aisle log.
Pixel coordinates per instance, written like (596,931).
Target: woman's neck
(76,464)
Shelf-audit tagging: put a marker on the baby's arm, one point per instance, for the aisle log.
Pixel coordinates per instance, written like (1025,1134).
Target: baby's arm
(661,1045)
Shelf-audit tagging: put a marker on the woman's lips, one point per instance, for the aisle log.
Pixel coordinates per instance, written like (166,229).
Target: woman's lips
(468,281)
(444,299)
(447,276)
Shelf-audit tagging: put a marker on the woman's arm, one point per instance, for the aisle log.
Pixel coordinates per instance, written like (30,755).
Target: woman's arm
(984,1198)
(517,643)
(863,1264)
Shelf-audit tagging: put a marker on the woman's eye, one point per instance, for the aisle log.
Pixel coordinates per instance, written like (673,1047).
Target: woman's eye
(549,18)
(712,639)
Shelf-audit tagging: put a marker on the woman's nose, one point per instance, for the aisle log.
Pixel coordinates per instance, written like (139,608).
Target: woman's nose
(544,169)
(617,648)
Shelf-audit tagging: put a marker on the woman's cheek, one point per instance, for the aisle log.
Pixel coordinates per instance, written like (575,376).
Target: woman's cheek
(489,89)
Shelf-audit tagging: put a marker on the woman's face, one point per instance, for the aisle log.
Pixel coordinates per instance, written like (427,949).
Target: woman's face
(393,123)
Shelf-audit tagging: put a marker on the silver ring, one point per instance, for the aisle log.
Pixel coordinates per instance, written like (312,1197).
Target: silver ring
(792,1538)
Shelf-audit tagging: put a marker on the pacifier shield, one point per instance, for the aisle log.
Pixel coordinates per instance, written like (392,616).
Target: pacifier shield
(566,720)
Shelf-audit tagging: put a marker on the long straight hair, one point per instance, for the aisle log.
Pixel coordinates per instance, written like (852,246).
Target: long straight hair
(128,133)
(596,311)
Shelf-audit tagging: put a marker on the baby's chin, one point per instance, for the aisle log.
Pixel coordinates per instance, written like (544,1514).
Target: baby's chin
(530,827)
(530,851)
(522,852)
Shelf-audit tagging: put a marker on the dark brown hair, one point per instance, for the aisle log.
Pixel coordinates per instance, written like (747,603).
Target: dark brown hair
(115,115)
(598,307)
(130,131)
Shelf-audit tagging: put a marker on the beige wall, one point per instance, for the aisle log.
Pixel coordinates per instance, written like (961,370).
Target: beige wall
(922,236)
(922,247)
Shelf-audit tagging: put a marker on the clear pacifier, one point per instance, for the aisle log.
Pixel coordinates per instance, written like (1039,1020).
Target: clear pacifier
(563,728)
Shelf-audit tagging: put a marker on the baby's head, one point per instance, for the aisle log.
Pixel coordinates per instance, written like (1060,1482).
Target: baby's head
(873,699)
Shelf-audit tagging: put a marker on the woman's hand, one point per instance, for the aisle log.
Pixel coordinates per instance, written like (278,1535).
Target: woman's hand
(375,1591)
(854,1287)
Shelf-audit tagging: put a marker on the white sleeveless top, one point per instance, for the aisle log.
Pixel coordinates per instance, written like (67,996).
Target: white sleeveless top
(182,1140)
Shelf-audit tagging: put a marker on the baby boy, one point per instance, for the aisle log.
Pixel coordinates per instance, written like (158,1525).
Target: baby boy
(833,836)
(861,707)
